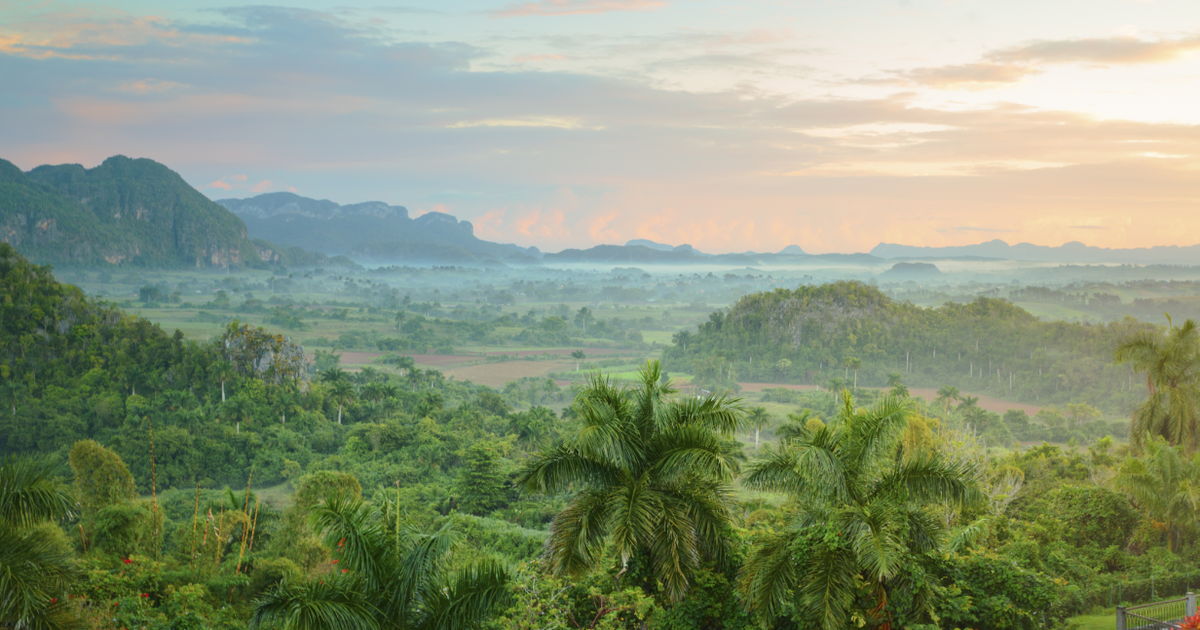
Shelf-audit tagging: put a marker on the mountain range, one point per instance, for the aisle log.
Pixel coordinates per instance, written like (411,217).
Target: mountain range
(139,212)
(1073,252)
(125,211)
(371,230)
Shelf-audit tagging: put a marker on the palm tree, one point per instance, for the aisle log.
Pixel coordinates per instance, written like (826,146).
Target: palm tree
(1171,362)
(946,395)
(681,339)
(414,377)
(1165,482)
(223,371)
(238,408)
(852,363)
(390,577)
(855,486)
(896,382)
(650,474)
(759,419)
(578,355)
(36,570)
(342,392)
(374,392)
(334,374)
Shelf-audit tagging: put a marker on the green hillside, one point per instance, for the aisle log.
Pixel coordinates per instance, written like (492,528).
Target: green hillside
(123,212)
(989,346)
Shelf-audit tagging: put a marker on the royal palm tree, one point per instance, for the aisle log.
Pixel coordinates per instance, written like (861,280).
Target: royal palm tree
(855,486)
(238,409)
(650,475)
(36,570)
(1171,362)
(342,392)
(759,419)
(223,371)
(852,363)
(946,395)
(1165,483)
(682,338)
(374,391)
(896,382)
(388,577)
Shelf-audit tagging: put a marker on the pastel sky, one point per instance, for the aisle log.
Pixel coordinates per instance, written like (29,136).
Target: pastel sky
(732,126)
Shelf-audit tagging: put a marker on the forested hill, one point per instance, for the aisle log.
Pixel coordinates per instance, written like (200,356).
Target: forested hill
(73,368)
(816,334)
(124,211)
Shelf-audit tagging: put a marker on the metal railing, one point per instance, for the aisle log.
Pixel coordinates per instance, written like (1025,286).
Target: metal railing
(1157,616)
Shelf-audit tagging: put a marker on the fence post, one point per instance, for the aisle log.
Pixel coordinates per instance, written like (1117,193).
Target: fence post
(1121,618)
(1191,604)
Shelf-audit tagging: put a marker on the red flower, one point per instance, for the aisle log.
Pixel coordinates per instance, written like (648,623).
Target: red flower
(335,561)
(53,600)
(128,561)
(345,570)
(145,594)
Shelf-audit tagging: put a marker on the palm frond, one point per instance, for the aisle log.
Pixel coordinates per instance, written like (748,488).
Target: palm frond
(719,414)
(634,514)
(768,577)
(334,604)
(349,524)
(689,451)
(29,492)
(577,533)
(929,478)
(34,570)
(874,532)
(874,432)
(673,547)
(414,582)
(563,466)
(469,598)
(970,534)
(925,530)
(827,590)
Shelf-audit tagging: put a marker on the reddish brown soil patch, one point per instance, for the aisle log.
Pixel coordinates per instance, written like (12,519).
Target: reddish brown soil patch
(500,374)
(995,405)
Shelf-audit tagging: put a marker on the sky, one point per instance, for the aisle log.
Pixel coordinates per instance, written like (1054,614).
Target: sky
(731,126)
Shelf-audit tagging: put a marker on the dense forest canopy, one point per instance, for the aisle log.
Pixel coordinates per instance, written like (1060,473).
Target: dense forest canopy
(815,334)
(154,481)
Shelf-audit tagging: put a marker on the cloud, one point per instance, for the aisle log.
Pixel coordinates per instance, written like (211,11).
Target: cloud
(576,7)
(567,159)
(971,76)
(969,229)
(1099,51)
(529,58)
(1007,66)
(262,186)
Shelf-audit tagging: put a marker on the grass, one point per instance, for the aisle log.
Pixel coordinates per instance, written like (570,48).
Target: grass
(1104,621)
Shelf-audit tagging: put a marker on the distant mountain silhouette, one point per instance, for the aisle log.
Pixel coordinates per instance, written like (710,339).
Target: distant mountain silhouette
(372,227)
(651,244)
(911,270)
(1073,252)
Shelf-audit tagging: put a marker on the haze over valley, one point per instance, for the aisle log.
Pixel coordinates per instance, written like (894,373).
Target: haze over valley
(610,314)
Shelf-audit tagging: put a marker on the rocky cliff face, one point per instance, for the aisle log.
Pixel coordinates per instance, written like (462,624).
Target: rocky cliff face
(124,211)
